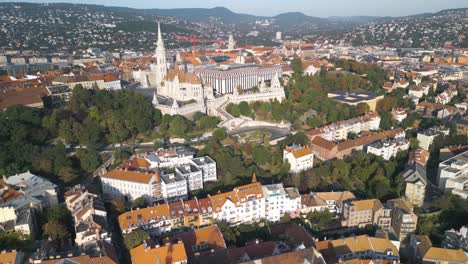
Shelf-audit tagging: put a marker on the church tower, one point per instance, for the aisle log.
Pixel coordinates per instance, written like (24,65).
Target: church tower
(231,43)
(161,66)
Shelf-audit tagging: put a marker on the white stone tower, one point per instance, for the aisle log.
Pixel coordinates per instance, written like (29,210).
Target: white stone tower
(231,43)
(161,66)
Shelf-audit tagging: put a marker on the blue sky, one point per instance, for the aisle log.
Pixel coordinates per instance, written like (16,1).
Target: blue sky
(321,8)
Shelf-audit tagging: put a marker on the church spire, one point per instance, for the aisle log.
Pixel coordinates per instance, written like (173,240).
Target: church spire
(160,43)
(254,177)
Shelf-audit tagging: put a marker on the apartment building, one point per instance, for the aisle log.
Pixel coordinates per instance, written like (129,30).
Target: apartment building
(150,252)
(299,158)
(22,196)
(404,220)
(126,184)
(358,248)
(320,201)
(174,187)
(192,174)
(426,137)
(244,204)
(362,213)
(452,176)
(339,131)
(388,148)
(326,150)
(208,167)
(423,252)
(90,219)
(415,184)
(279,201)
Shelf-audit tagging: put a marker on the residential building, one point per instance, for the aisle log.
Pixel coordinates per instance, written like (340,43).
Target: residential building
(23,195)
(455,239)
(308,255)
(331,201)
(404,220)
(90,219)
(418,246)
(452,176)
(358,248)
(83,259)
(356,98)
(278,202)
(203,244)
(419,156)
(326,150)
(59,93)
(426,137)
(445,256)
(462,126)
(127,184)
(255,250)
(20,93)
(399,114)
(173,187)
(361,213)
(388,148)
(208,167)
(339,130)
(12,257)
(415,184)
(150,252)
(299,158)
(244,204)
(168,158)
(295,234)
(192,174)
(87,82)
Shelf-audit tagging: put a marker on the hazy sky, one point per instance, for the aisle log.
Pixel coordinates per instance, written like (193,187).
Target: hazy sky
(321,8)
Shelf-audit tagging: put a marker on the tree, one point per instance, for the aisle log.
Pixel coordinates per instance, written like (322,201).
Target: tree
(67,174)
(178,126)
(362,108)
(233,109)
(117,207)
(296,65)
(55,230)
(135,238)
(319,220)
(386,121)
(89,159)
(260,155)
(244,109)
(139,202)
(219,134)
(414,143)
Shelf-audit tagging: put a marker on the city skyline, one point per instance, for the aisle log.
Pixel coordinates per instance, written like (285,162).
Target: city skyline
(271,8)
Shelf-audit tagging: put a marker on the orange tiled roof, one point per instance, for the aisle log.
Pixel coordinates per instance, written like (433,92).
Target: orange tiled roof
(184,77)
(219,200)
(8,258)
(81,260)
(300,152)
(132,176)
(252,189)
(362,205)
(323,143)
(168,254)
(134,217)
(209,235)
